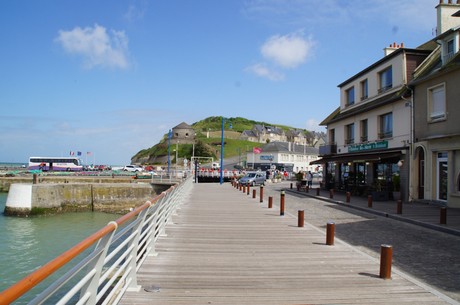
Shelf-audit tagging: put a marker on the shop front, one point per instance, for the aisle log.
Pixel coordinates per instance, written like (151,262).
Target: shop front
(380,173)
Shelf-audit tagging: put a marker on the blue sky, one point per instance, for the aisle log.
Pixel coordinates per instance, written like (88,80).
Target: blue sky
(112,77)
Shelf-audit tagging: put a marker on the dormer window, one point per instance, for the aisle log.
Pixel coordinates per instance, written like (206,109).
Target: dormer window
(350,93)
(449,51)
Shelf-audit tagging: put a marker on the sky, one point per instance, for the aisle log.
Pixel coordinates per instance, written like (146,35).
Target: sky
(112,77)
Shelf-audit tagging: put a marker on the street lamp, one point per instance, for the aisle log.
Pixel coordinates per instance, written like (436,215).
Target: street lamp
(222,151)
(169,151)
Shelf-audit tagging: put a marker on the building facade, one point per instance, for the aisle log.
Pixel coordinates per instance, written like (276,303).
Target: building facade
(284,156)
(369,135)
(436,158)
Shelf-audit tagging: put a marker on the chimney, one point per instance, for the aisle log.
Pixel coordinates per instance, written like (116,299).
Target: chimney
(393,47)
(445,20)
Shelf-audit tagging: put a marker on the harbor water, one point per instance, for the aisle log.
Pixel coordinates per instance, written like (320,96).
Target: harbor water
(28,243)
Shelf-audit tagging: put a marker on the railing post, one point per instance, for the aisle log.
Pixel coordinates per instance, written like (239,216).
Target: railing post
(330,231)
(369,201)
(443,215)
(348,194)
(317,191)
(331,193)
(282,204)
(92,286)
(386,254)
(261,193)
(300,218)
(270,202)
(291,185)
(399,207)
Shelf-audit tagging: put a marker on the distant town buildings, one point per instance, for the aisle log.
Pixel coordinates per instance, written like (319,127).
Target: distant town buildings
(395,134)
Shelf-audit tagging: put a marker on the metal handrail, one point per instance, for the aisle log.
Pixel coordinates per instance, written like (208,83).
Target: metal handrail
(110,269)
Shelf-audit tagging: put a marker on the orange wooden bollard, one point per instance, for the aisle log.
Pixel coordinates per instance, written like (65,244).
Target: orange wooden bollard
(317,191)
(348,194)
(330,231)
(386,254)
(261,193)
(254,193)
(399,207)
(331,193)
(249,186)
(300,220)
(282,203)
(270,202)
(369,201)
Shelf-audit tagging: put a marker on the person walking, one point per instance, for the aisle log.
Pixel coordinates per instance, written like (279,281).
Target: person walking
(309,179)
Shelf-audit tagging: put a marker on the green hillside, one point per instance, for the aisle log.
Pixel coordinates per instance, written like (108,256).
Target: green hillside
(204,146)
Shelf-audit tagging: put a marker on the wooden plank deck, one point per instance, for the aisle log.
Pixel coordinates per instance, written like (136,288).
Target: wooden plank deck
(226,248)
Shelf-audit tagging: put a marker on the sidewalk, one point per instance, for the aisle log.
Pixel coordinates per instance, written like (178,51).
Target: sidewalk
(422,214)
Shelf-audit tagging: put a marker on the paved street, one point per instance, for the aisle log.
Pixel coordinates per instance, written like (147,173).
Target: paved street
(430,256)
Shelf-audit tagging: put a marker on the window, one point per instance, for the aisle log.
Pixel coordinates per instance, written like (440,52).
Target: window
(386,126)
(364,130)
(450,46)
(364,92)
(331,136)
(350,96)
(350,134)
(436,103)
(386,79)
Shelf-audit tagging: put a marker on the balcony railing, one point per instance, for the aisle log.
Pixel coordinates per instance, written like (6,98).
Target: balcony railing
(386,134)
(328,149)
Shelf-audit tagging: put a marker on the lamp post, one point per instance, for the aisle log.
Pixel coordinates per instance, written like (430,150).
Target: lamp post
(222,151)
(169,151)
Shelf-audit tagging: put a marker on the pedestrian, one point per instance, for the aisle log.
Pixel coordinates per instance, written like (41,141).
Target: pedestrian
(309,179)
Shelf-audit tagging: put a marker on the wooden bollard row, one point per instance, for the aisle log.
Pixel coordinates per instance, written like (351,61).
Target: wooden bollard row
(386,252)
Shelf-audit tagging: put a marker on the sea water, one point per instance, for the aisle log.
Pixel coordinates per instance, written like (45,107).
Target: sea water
(28,243)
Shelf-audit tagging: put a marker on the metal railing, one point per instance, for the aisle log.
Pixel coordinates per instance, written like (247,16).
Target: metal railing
(111,268)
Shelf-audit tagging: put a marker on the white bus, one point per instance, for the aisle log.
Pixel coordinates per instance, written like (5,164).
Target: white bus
(69,164)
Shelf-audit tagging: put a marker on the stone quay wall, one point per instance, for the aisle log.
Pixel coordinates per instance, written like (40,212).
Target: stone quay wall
(51,198)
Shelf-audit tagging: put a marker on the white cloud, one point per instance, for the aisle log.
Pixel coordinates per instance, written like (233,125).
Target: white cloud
(288,51)
(262,70)
(97,46)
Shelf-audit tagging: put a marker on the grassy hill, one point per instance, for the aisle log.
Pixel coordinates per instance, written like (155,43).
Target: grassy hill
(206,146)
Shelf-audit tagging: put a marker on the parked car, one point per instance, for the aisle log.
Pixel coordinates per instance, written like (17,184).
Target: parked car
(253,178)
(132,168)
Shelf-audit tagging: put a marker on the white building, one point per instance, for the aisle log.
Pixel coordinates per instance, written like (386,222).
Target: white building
(284,156)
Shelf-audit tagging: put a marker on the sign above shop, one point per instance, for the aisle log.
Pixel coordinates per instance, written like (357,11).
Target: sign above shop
(270,158)
(368,146)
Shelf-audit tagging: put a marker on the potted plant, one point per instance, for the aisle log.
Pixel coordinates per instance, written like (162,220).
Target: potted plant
(396,187)
(378,193)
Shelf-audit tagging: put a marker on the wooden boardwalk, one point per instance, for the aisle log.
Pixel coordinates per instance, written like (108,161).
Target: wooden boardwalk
(224,247)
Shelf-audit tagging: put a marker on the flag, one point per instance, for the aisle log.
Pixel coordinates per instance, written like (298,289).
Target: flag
(79,153)
(72,153)
(89,153)
(257,150)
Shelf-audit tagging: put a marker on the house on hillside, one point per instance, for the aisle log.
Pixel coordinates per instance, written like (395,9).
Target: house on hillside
(436,90)
(263,134)
(283,156)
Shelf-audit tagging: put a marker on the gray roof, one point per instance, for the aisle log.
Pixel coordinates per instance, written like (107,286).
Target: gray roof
(283,147)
